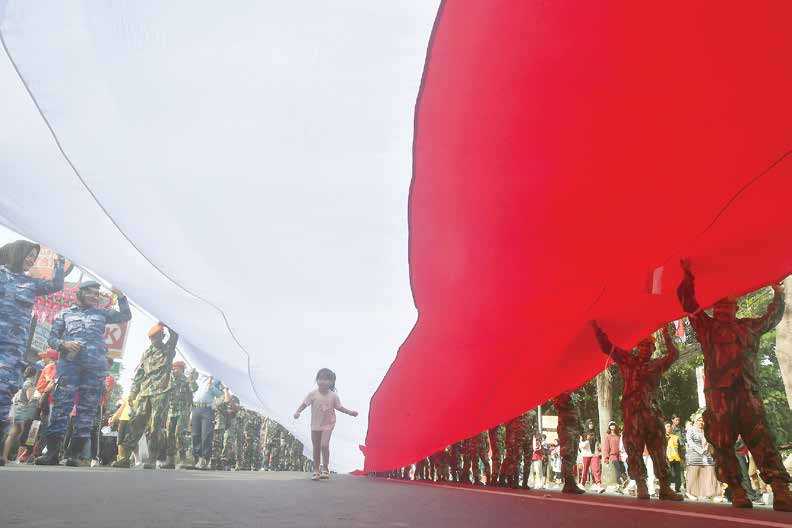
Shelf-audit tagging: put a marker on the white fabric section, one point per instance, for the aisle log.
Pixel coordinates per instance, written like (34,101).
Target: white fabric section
(257,153)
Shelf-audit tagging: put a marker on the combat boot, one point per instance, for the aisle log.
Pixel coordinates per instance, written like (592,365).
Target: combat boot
(782,499)
(641,490)
(739,498)
(170,463)
(571,487)
(122,460)
(52,457)
(75,448)
(666,493)
(183,462)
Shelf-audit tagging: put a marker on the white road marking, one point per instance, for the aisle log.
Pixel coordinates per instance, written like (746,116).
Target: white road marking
(680,513)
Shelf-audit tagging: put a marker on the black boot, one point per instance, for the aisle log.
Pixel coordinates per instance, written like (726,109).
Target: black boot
(75,449)
(52,457)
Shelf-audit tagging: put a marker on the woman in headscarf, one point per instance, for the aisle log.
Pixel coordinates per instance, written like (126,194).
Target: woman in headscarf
(18,292)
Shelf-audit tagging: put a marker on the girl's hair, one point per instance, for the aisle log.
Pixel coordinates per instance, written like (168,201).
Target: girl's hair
(329,374)
(616,429)
(30,371)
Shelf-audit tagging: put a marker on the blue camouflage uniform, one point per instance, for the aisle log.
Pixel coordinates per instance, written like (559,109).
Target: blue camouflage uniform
(18,292)
(87,371)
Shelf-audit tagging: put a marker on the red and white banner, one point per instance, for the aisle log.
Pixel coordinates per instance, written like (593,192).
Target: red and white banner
(248,173)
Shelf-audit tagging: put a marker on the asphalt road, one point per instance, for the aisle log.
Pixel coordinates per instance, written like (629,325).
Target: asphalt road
(84,497)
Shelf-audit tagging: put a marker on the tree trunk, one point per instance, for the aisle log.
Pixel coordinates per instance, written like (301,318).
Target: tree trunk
(784,342)
(604,401)
(702,402)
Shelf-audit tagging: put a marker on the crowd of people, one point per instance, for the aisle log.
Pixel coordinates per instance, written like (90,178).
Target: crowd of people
(724,452)
(67,407)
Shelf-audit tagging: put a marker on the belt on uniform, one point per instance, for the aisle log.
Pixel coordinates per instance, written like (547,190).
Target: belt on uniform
(198,405)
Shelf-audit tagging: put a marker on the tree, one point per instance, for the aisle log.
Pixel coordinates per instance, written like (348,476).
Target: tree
(604,383)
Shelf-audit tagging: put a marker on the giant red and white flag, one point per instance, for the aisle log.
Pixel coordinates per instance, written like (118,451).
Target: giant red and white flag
(248,173)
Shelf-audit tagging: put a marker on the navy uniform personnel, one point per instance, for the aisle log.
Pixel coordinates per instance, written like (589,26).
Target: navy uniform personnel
(18,292)
(78,334)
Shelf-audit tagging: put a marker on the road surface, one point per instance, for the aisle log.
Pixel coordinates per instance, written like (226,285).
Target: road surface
(109,498)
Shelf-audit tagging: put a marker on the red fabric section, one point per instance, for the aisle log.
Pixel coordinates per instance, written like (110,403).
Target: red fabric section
(563,153)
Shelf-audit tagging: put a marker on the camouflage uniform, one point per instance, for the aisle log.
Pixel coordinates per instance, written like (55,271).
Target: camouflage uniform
(453,457)
(495,436)
(439,466)
(18,292)
(731,388)
(515,438)
(297,450)
(568,436)
(87,371)
(151,393)
(225,434)
(248,444)
(272,446)
(421,468)
(643,420)
(182,389)
(476,448)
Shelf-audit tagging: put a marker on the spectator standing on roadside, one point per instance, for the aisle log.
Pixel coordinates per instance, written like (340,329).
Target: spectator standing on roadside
(673,453)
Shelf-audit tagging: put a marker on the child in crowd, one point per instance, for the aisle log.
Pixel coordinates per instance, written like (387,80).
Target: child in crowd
(22,410)
(324,402)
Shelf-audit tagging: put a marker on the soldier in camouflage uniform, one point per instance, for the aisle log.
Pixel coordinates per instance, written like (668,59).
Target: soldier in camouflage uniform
(568,440)
(297,450)
(18,292)
(78,334)
(734,406)
(453,457)
(150,396)
(250,429)
(421,468)
(495,436)
(643,421)
(272,445)
(476,448)
(225,433)
(264,441)
(440,466)
(182,389)
(515,438)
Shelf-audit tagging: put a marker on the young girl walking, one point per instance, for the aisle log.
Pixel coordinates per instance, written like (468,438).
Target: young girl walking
(323,402)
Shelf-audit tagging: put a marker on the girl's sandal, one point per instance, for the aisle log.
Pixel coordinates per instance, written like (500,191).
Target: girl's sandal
(315,476)
(325,475)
